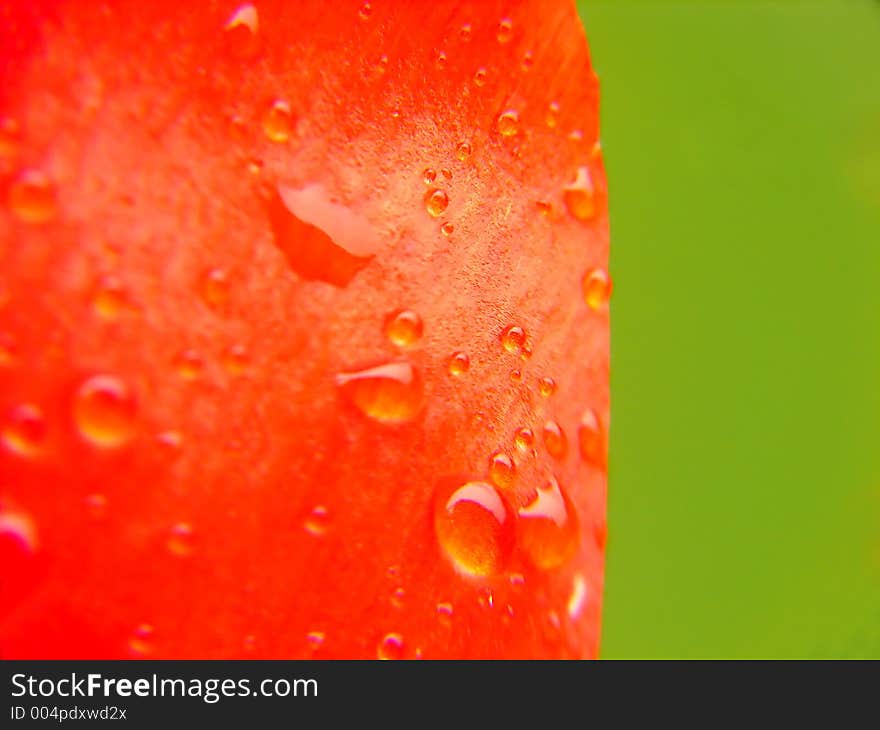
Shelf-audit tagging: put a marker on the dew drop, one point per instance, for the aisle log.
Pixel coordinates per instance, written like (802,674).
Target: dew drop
(505,31)
(580,195)
(524,439)
(389,393)
(578,597)
(528,61)
(459,363)
(526,352)
(18,543)
(552,118)
(502,470)
(104,411)
(139,643)
(474,527)
(242,41)
(10,139)
(547,527)
(366,10)
(441,61)
(444,612)
(180,539)
(446,172)
(555,440)
(391,647)
(109,299)
(590,439)
(318,521)
(404,328)
(508,123)
(235,360)
(597,287)
(447,229)
(249,643)
(189,365)
(465,32)
(436,202)
(544,208)
(463,151)
(517,580)
(546,386)
(24,431)
(32,197)
(214,288)
(481,75)
(397,597)
(513,338)
(171,441)
(516,375)
(278,122)
(429,175)
(315,639)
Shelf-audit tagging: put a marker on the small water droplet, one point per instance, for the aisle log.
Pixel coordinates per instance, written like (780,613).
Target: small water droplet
(459,363)
(10,139)
(513,338)
(391,647)
(447,229)
(481,75)
(590,439)
(18,543)
(544,208)
(109,299)
(441,60)
(180,539)
(96,504)
(235,360)
(597,288)
(404,328)
(555,440)
(526,352)
(189,365)
(502,470)
(249,643)
(547,528)
(104,411)
(170,440)
(576,135)
(505,30)
(517,580)
(24,431)
(318,521)
(463,151)
(580,195)
(397,597)
(528,60)
(486,598)
(241,32)
(578,597)
(446,172)
(140,642)
(524,439)
(436,202)
(32,197)
(444,612)
(214,288)
(429,175)
(552,118)
(390,393)
(516,375)
(546,386)
(366,10)
(278,122)
(508,123)
(465,32)
(474,527)
(315,639)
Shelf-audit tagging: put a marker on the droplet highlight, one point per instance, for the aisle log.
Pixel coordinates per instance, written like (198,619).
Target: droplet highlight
(390,393)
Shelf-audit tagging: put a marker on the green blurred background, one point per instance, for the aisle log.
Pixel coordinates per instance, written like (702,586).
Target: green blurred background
(742,142)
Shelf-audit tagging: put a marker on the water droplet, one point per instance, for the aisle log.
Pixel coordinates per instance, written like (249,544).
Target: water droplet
(516,375)
(170,440)
(318,521)
(555,440)
(526,349)
(391,647)
(429,175)
(578,597)
(544,208)
(546,386)
(214,288)
(446,172)
(397,597)
(579,196)
(18,542)
(235,360)
(242,41)
(597,288)
(552,117)
(109,300)
(528,60)
(465,32)
(390,393)
(505,30)
(32,197)
(444,613)
(249,643)
(315,639)
(474,527)
(278,122)
(463,151)
(104,411)
(139,643)
(404,328)
(7,350)
(189,365)
(590,439)
(524,439)
(517,580)
(548,528)
(365,11)
(436,202)
(502,470)
(441,61)
(513,338)
(96,504)
(25,430)
(320,238)
(180,540)
(481,75)
(459,363)
(486,598)
(576,135)
(446,229)
(508,123)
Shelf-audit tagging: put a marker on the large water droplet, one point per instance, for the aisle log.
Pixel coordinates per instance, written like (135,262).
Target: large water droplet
(278,122)
(404,328)
(241,32)
(474,527)
(24,431)
(389,393)
(513,338)
(578,597)
(580,195)
(502,470)
(548,527)
(321,239)
(508,123)
(436,201)
(524,439)
(391,647)
(104,411)
(32,197)
(597,288)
